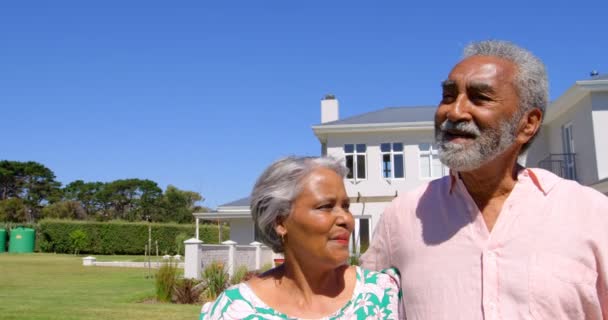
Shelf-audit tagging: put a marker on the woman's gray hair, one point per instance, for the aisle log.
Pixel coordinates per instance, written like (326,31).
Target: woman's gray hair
(531,80)
(277,188)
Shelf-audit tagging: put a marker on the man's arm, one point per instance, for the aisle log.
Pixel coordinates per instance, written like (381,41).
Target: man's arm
(378,255)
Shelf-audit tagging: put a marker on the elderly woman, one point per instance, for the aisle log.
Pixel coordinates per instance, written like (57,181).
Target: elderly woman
(301,209)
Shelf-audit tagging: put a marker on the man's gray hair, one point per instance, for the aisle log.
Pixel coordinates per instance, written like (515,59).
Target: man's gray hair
(277,188)
(531,80)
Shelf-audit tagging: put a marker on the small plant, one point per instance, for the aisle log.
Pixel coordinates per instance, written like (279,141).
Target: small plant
(179,242)
(166,276)
(354,260)
(266,267)
(216,279)
(78,239)
(239,275)
(187,291)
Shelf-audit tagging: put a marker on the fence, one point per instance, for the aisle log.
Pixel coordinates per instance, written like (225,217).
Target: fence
(199,255)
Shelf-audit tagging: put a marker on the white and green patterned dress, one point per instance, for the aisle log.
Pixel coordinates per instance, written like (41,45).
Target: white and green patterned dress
(376,296)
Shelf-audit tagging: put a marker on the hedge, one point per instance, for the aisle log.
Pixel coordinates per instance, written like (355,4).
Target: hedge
(117,237)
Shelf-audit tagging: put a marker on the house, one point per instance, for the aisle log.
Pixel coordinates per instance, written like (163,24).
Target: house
(391,150)
(573,142)
(387,151)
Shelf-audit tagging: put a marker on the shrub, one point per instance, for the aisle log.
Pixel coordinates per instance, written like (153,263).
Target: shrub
(179,242)
(239,274)
(117,237)
(265,267)
(187,291)
(78,239)
(166,277)
(216,279)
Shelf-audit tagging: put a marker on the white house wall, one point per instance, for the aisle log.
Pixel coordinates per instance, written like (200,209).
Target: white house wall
(375,185)
(599,102)
(584,146)
(241,231)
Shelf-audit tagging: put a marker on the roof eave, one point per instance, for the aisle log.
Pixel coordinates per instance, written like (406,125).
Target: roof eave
(372,127)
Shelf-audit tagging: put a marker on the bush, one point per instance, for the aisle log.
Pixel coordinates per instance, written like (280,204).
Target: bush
(216,279)
(166,277)
(239,274)
(78,239)
(187,291)
(179,243)
(117,237)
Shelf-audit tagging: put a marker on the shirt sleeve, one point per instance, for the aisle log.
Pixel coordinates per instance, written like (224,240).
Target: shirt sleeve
(377,256)
(602,255)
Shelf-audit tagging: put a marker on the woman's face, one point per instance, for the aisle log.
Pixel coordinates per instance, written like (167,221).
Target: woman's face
(320,223)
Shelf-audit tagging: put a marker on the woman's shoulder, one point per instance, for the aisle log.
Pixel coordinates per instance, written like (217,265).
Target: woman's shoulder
(387,277)
(236,301)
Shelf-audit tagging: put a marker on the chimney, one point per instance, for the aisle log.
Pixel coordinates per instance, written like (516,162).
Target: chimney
(329,108)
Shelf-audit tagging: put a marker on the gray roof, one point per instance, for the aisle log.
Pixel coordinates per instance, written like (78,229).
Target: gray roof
(600,77)
(243,202)
(390,115)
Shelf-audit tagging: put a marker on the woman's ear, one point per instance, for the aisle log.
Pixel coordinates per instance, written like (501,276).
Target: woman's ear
(279,226)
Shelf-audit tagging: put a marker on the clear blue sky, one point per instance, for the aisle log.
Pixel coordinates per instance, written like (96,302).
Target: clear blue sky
(204,94)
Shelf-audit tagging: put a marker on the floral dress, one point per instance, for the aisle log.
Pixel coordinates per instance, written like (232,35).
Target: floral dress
(376,296)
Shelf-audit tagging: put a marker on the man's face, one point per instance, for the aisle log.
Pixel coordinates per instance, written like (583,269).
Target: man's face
(478,117)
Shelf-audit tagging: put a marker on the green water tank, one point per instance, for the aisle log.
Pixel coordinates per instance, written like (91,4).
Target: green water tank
(22,240)
(2,240)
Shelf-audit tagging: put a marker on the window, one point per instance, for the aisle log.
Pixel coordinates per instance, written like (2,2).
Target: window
(392,160)
(355,160)
(430,166)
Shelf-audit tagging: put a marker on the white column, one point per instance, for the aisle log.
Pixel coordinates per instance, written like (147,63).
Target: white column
(192,261)
(88,261)
(357,233)
(231,256)
(197,237)
(258,254)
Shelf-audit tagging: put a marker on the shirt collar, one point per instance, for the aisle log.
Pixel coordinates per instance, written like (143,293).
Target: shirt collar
(542,184)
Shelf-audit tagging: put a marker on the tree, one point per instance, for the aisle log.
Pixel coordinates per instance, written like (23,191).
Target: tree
(65,210)
(31,182)
(86,193)
(13,210)
(178,205)
(130,199)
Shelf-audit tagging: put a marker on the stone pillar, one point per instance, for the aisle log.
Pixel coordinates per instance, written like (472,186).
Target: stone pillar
(192,263)
(231,256)
(258,254)
(88,261)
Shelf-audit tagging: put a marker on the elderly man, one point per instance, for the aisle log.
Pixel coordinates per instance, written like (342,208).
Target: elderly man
(494,240)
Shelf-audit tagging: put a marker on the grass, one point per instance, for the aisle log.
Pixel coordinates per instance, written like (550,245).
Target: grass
(49,286)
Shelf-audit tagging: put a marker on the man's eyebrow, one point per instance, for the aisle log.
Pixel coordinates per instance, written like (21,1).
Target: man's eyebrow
(448,84)
(481,87)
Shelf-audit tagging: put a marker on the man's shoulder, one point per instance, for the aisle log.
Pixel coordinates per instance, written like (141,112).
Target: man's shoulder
(430,191)
(565,189)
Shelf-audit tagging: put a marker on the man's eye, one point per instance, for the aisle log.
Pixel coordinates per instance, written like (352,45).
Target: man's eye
(447,97)
(325,207)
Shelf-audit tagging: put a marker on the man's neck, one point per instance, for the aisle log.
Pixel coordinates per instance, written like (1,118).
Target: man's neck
(491,184)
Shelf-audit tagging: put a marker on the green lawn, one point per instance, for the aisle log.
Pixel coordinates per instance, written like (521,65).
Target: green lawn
(49,286)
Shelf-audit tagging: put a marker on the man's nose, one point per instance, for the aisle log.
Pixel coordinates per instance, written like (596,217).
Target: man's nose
(459,110)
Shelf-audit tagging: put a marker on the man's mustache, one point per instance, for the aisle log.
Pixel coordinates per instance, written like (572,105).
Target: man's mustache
(464,127)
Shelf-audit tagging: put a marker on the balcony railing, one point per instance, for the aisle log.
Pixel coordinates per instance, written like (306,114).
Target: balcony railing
(562,164)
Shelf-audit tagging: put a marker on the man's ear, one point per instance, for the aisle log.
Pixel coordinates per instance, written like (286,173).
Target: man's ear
(529,125)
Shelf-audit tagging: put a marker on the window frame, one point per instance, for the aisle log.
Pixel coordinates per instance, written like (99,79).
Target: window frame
(355,155)
(432,151)
(392,154)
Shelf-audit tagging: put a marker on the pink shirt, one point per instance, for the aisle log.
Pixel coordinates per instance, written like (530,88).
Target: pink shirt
(546,257)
